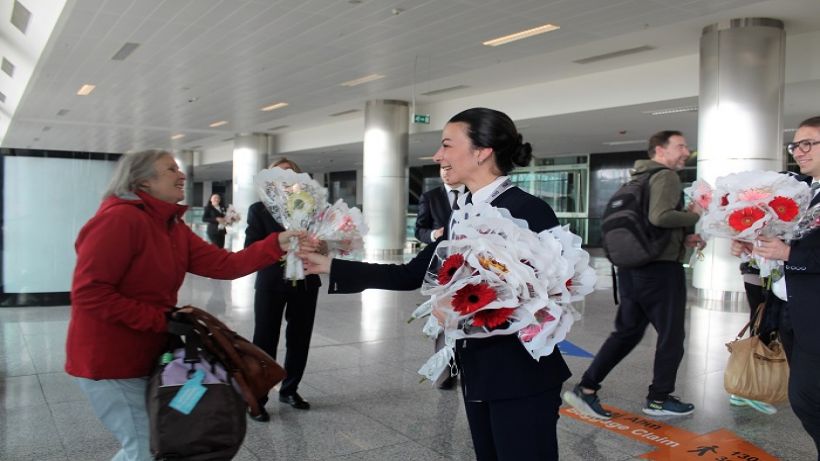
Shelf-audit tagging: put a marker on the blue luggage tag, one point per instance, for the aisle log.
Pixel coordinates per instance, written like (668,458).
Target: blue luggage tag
(189,394)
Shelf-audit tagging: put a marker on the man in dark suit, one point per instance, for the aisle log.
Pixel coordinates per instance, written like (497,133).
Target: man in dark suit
(800,315)
(435,208)
(275,296)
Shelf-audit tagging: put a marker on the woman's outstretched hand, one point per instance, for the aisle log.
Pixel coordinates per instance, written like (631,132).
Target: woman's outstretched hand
(315,263)
(306,243)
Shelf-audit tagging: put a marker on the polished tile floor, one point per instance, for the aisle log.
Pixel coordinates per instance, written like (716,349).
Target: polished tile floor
(361,380)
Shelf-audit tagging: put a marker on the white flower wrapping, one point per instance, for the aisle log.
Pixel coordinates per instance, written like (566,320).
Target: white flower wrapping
(496,277)
(298,202)
(231,216)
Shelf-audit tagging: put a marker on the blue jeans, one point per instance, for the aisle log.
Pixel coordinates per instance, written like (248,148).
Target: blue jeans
(120,405)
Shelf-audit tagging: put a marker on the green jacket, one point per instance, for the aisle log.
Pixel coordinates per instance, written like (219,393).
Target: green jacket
(666,207)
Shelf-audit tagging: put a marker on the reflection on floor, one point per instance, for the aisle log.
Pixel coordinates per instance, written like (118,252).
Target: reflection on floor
(367,402)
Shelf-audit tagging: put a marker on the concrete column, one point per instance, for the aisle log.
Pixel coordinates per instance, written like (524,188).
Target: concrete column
(249,157)
(740,123)
(386,125)
(185,160)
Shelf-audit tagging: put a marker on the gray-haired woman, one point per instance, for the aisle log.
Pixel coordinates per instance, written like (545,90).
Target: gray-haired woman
(132,257)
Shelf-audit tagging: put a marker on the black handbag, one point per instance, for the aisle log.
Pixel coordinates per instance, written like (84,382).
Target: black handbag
(215,427)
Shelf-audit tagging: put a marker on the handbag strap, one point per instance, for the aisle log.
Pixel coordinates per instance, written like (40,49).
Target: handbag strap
(753,322)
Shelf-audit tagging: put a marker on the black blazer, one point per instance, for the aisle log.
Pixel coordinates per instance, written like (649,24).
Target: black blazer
(209,215)
(434,212)
(260,225)
(802,280)
(493,368)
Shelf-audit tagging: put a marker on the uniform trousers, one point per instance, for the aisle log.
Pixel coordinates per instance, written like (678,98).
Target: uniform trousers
(298,304)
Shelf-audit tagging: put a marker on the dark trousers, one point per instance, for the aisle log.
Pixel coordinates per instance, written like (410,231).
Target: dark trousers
(515,429)
(299,307)
(217,237)
(652,294)
(804,379)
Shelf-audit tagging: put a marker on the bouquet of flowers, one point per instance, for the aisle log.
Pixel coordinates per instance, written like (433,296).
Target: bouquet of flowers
(496,277)
(231,216)
(341,227)
(298,202)
(743,206)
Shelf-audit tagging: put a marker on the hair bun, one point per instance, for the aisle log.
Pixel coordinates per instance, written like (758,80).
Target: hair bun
(523,153)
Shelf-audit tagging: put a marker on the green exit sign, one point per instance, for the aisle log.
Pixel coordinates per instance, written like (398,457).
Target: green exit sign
(421,118)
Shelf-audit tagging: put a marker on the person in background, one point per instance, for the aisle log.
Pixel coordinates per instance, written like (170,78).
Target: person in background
(435,208)
(214,215)
(276,297)
(511,400)
(799,316)
(654,293)
(132,256)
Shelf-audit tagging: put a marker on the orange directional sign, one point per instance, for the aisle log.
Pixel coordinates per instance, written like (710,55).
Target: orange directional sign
(674,443)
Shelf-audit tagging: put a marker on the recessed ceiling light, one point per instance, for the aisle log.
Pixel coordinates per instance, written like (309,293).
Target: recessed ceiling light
(178,136)
(361,80)
(672,110)
(790,130)
(614,54)
(445,90)
(278,127)
(425,158)
(20,16)
(271,107)
(621,143)
(62,112)
(2,97)
(7,67)
(521,35)
(86,89)
(345,112)
(219,123)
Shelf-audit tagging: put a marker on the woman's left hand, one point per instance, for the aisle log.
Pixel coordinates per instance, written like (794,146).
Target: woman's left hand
(771,248)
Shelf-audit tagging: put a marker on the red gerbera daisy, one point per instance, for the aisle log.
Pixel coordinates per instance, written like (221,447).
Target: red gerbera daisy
(473,297)
(492,318)
(449,268)
(743,218)
(785,208)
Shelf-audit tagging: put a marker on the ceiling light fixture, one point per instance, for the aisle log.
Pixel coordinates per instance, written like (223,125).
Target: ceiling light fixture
(271,107)
(672,110)
(445,90)
(345,112)
(521,35)
(621,143)
(361,80)
(178,136)
(86,89)
(219,123)
(614,54)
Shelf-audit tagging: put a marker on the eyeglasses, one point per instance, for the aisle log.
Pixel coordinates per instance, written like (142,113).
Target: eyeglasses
(805,145)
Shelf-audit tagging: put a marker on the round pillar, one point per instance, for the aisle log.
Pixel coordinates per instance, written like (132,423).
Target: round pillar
(740,124)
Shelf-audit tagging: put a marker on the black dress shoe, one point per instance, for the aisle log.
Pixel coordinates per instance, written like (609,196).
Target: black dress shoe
(262,417)
(295,400)
(447,383)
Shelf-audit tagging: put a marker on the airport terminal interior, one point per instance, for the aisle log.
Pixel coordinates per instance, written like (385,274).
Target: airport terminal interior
(357,92)
(367,401)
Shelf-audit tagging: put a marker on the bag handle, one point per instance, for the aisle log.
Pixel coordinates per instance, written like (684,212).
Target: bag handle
(754,323)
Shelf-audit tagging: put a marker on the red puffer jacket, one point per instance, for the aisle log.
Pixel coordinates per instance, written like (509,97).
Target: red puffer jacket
(132,257)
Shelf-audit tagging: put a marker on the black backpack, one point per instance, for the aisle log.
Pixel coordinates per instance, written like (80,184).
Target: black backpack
(628,238)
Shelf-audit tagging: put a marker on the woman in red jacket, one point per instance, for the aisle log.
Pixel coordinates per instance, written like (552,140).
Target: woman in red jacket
(132,257)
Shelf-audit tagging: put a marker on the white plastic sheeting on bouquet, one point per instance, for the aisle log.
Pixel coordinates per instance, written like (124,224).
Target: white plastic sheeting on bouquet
(298,202)
(496,277)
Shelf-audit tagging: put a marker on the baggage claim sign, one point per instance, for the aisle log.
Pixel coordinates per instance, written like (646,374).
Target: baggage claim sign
(673,443)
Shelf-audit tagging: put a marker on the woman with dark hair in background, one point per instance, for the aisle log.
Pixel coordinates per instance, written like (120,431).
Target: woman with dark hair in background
(132,257)
(275,297)
(214,215)
(511,399)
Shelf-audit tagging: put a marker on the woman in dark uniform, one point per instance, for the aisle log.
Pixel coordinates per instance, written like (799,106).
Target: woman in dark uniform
(511,399)
(214,215)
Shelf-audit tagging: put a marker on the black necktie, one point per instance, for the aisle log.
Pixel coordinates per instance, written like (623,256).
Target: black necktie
(469,199)
(454,204)
(814,187)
